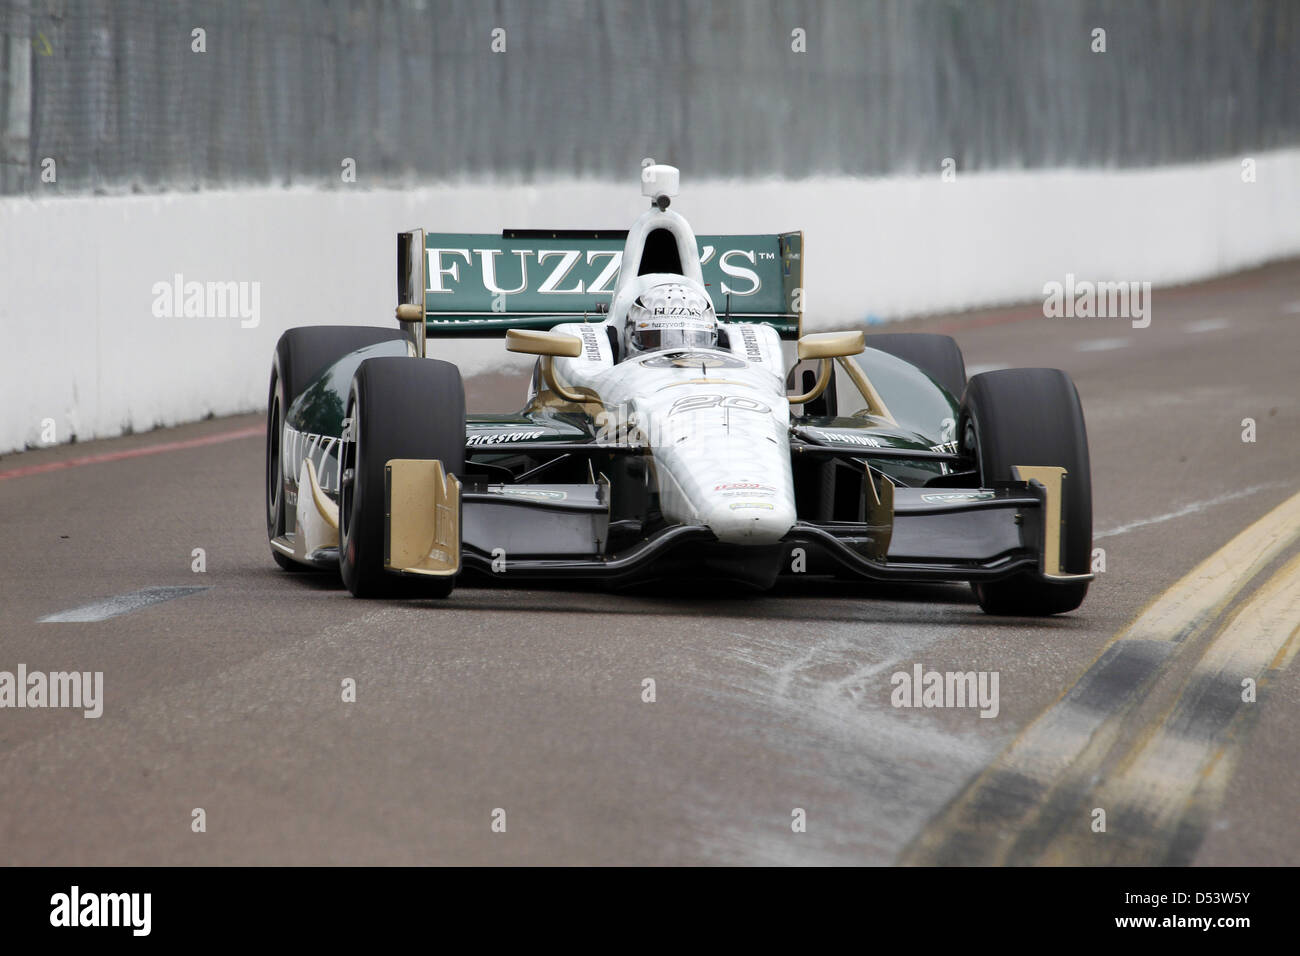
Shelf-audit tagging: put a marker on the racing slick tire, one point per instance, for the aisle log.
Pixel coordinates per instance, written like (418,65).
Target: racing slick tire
(301,355)
(399,408)
(936,355)
(1032,416)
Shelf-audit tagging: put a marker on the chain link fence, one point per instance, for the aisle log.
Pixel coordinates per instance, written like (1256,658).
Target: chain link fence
(180,94)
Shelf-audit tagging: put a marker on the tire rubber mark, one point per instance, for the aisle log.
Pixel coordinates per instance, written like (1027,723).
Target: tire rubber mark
(119,604)
(1194,507)
(1102,345)
(1207,325)
(1018,804)
(1162,793)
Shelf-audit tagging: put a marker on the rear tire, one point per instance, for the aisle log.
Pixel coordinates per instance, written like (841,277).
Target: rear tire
(938,356)
(400,408)
(1032,416)
(301,355)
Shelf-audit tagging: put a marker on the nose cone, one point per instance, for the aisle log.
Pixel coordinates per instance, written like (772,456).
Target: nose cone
(750,520)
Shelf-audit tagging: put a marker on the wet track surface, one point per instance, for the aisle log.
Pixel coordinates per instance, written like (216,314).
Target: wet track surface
(531,700)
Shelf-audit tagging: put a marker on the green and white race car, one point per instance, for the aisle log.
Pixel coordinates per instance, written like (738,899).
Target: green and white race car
(677,425)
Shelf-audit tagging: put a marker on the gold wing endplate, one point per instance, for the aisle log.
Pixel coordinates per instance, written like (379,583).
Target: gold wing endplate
(1052,478)
(422,518)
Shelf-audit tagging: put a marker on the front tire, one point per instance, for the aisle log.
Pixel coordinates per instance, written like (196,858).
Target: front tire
(398,408)
(300,355)
(1032,416)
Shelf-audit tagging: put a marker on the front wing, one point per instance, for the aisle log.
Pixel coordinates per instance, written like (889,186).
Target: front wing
(554,532)
(562,532)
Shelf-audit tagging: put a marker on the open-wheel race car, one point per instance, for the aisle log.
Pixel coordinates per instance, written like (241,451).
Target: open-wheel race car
(677,425)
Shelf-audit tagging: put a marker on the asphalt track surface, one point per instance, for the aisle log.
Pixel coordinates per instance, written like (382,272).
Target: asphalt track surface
(228,698)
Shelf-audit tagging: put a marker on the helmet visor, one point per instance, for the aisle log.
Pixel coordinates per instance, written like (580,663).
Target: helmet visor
(650,340)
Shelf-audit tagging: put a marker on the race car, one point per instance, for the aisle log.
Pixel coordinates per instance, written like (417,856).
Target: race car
(678,426)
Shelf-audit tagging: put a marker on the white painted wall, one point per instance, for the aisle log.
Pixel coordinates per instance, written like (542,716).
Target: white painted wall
(80,344)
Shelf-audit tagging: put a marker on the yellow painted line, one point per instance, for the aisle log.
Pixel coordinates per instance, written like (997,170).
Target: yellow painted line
(1262,632)
(1217,580)
(1063,749)
(1152,790)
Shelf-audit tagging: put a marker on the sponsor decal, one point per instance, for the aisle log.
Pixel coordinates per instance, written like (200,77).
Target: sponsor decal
(566,271)
(590,345)
(749,338)
(734,270)
(561,272)
(501,438)
(846,438)
(297,446)
(693,325)
(947,447)
(444,266)
(745,485)
(538,494)
(739,272)
(761,505)
(950,496)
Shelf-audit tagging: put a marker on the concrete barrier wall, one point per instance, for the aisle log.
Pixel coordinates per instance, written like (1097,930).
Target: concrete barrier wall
(83,347)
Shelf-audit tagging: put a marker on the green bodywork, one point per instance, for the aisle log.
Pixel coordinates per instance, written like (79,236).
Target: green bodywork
(924,414)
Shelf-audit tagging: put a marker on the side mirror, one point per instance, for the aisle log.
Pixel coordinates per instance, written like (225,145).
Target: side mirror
(543,343)
(826,346)
(410,312)
(548,345)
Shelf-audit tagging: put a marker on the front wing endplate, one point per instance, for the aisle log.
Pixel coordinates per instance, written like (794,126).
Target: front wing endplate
(422,518)
(1052,479)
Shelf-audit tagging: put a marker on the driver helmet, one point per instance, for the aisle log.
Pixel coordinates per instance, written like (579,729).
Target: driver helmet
(671,315)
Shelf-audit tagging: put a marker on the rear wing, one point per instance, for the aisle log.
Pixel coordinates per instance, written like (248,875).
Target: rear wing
(484,284)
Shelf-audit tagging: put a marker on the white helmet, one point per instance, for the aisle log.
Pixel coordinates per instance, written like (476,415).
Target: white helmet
(671,315)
